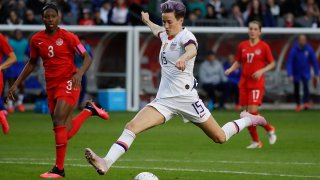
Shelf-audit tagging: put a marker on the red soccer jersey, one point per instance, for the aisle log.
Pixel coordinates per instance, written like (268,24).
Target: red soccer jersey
(5,48)
(252,59)
(57,53)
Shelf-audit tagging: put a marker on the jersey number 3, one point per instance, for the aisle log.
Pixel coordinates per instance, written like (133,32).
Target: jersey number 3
(50,53)
(250,57)
(163,58)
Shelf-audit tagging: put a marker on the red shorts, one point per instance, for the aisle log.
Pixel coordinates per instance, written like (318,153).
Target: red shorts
(63,91)
(250,96)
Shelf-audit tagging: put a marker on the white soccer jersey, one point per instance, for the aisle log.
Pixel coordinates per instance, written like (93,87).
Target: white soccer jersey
(175,82)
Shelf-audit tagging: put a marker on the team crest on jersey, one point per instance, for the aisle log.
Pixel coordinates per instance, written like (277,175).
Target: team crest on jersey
(173,45)
(257,51)
(59,42)
(164,46)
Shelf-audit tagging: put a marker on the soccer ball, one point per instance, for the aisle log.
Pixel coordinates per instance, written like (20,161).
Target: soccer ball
(146,176)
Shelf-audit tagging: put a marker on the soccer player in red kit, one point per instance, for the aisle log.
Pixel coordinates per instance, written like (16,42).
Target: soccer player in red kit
(5,50)
(57,48)
(256,59)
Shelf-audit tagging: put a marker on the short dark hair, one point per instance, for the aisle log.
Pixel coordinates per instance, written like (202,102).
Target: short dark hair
(177,7)
(49,6)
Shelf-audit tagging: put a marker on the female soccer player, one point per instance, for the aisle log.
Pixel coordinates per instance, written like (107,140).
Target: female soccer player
(256,59)
(176,95)
(5,50)
(57,48)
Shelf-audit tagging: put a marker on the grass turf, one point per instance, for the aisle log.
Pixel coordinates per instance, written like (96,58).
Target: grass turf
(172,151)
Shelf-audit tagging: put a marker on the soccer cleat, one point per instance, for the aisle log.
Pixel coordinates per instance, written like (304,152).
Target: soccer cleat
(11,110)
(21,108)
(298,108)
(255,119)
(272,136)
(4,123)
(306,106)
(95,110)
(255,145)
(54,173)
(97,162)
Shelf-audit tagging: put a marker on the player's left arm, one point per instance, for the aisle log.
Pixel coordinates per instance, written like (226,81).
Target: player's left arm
(76,79)
(191,51)
(11,59)
(271,64)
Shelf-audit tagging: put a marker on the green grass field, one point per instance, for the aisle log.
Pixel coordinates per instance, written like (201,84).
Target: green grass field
(172,151)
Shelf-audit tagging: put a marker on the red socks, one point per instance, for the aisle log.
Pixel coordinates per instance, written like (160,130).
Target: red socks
(77,122)
(253,133)
(268,127)
(60,134)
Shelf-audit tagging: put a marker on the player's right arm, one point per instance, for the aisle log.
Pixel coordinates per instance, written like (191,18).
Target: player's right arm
(234,67)
(153,27)
(29,67)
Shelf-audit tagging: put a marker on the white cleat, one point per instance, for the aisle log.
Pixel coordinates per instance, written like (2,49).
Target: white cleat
(255,119)
(97,162)
(255,145)
(272,137)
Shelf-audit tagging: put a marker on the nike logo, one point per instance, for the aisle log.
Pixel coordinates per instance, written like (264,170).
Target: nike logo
(58,145)
(68,92)
(201,115)
(40,43)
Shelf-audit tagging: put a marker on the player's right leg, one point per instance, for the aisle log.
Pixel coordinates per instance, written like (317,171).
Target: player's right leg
(147,118)
(60,113)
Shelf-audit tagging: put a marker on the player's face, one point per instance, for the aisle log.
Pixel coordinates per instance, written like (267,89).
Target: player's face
(254,31)
(172,25)
(50,19)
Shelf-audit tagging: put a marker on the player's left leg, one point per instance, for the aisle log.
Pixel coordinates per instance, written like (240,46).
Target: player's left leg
(90,109)
(221,135)
(306,94)
(10,102)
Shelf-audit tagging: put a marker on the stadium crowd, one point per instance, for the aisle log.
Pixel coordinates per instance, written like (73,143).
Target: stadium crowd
(271,13)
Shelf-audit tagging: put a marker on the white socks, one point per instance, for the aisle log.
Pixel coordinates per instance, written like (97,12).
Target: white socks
(119,147)
(20,98)
(232,128)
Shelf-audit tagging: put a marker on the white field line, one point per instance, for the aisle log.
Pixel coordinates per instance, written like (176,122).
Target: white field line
(176,161)
(175,169)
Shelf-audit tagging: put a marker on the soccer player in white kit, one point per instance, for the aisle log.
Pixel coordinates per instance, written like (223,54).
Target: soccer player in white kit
(176,95)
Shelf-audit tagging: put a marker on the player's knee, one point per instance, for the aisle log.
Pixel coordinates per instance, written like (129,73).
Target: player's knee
(220,138)
(58,119)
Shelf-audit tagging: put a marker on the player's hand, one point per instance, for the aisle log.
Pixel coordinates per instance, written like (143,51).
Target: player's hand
(76,81)
(145,17)
(228,71)
(315,81)
(11,92)
(181,64)
(257,74)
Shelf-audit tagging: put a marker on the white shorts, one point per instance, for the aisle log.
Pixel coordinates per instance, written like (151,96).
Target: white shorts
(191,108)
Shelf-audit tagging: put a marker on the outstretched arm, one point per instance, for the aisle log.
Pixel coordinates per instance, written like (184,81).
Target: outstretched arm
(153,27)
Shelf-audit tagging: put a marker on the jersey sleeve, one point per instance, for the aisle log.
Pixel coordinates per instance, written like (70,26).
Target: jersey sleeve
(76,44)
(162,35)
(34,52)
(189,38)
(268,53)
(4,46)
